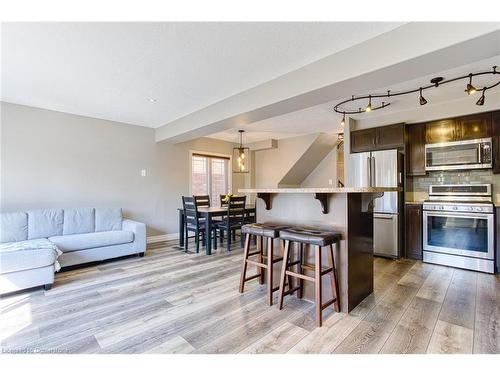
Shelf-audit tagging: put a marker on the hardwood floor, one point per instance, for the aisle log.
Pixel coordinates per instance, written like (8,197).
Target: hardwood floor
(173,302)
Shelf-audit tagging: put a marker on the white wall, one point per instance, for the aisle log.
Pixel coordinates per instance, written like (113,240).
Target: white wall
(54,159)
(272,164)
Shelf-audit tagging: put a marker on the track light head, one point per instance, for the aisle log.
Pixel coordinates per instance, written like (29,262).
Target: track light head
(481,99)
(470,88)
(369,106)
(342,123)
(422,99)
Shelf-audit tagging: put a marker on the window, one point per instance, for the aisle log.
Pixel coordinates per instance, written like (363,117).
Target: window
(209,176)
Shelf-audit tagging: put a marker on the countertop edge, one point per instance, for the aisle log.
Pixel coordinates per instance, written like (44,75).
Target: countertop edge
(321,190)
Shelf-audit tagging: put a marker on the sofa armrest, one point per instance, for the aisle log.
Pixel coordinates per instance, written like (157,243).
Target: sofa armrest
(139,230)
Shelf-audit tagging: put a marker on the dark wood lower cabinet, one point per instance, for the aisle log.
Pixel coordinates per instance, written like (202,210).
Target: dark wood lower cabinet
(413,231)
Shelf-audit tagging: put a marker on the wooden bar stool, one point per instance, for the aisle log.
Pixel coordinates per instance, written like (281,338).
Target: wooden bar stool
(318,239)
(264,261)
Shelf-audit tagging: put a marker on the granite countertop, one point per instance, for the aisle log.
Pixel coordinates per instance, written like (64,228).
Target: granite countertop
(414,202)
(322,190)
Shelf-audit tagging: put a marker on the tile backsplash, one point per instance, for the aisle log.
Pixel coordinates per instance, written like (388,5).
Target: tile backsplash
(421,184)
(452,177)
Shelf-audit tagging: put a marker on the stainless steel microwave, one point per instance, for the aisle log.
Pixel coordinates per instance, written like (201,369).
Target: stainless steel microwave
(470,154)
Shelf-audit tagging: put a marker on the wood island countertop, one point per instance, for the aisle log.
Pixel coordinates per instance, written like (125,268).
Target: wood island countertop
(322,190)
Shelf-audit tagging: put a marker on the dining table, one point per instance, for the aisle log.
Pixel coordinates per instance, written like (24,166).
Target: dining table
(208,214)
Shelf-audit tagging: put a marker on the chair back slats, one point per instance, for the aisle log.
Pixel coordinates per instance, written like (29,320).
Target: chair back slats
(191,216)
(202,200)
(236,209)
(223,203)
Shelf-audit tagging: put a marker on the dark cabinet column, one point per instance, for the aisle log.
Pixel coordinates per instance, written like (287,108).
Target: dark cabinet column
(413,221)
(496,141)
(415,150)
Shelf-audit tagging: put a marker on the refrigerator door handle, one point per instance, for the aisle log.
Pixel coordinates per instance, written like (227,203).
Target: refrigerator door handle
(373,181)
(369,170)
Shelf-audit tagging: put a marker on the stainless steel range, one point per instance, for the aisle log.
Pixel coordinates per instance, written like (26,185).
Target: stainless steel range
(458,227)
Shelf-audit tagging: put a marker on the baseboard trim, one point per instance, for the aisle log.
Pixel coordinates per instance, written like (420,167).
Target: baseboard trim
(162,238)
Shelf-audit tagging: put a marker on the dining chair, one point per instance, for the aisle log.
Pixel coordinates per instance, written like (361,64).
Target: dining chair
(194,223)
(234,219)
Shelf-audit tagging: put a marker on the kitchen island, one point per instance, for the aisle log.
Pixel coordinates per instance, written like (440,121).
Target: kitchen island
(348,211)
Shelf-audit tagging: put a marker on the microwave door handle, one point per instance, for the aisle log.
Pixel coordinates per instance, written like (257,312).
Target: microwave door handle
(374,171)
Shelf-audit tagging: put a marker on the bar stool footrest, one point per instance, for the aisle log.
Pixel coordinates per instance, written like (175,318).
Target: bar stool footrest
(326,304)
(255,263)
(252,277)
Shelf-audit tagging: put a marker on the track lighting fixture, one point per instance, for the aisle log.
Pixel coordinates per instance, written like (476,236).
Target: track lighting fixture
(434,83)
(481,99)
(422,99)
(470,89)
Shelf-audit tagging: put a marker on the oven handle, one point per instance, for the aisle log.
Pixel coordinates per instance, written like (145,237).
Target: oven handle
(480,153)
(459,214)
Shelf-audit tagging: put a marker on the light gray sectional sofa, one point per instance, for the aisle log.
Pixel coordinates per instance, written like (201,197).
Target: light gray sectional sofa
(34,243)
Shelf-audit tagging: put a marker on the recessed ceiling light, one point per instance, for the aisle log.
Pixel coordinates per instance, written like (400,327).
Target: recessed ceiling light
(152,100)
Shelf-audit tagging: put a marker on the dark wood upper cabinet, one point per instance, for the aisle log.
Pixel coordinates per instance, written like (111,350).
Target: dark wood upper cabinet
(380,138)
(495,130)
(473,127)
(415,150)
(363,140)
(391,136)
(440,131)
(459,129)
(413,231)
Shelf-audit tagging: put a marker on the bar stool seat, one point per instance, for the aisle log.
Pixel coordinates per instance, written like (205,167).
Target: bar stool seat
(310,236)
(318,238)
(270,231)
(264,229)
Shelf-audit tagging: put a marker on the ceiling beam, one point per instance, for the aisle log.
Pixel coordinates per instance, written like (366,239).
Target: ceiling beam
(408,52)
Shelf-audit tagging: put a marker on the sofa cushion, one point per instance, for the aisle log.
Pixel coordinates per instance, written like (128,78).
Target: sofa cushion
(75,242)
(26,255)
(107,219)
(45,223)
(78,220)
(13,226)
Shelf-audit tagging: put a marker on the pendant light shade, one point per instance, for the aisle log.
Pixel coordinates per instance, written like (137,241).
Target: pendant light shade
(241,157)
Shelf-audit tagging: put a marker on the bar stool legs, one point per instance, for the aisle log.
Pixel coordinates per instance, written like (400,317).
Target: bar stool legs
(319,271)
(270,263)
(264,262)
(334,279)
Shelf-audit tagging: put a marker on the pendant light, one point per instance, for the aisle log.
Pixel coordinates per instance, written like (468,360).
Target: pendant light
(241,156)
(342,123)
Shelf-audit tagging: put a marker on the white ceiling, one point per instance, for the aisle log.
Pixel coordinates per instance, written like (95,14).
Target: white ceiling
(322,118)
(111,70)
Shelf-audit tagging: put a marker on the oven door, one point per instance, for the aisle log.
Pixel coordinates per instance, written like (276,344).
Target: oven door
(464,234)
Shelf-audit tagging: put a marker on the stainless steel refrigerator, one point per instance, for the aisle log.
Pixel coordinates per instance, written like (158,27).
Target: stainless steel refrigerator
(381,169)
